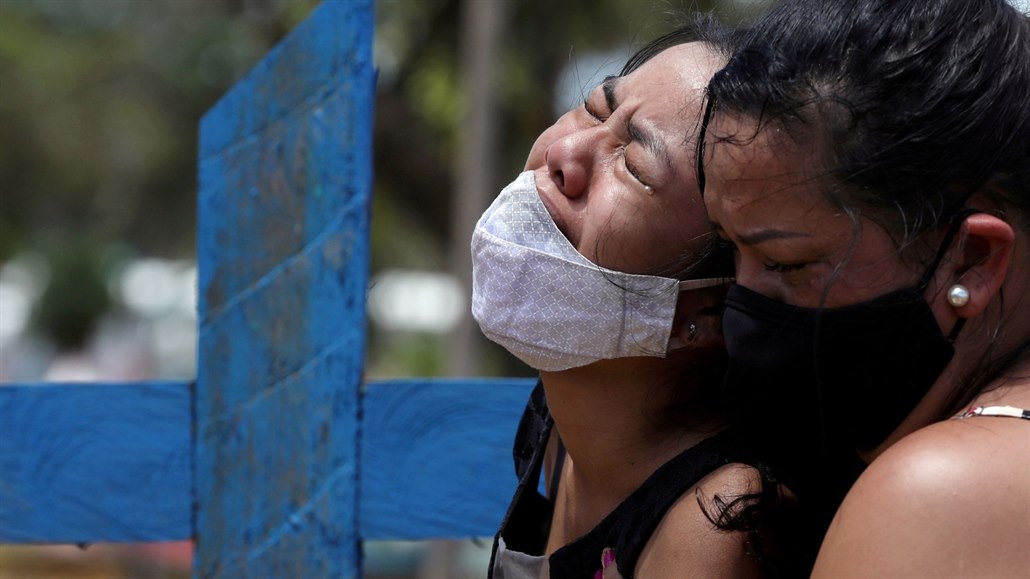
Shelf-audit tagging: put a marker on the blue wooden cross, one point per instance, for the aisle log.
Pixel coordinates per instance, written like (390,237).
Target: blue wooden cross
(279,460)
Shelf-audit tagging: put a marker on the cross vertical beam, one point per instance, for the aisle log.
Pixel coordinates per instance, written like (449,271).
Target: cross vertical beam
(285,180)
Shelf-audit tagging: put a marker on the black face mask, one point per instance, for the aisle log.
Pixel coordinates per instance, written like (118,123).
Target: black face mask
(862,368)
(815,384)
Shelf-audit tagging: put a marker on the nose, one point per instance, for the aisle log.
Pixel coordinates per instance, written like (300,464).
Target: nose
(571,160)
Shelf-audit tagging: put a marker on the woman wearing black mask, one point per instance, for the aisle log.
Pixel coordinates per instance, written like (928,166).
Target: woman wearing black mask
(872,169)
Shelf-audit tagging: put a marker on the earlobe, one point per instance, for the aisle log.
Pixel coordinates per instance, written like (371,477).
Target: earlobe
(697,323)
(981,262)
(704,332)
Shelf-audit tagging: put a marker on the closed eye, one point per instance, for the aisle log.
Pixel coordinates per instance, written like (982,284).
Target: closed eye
(636,175)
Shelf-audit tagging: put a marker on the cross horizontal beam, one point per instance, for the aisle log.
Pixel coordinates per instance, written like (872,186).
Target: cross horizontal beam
(113,462)
(95,462)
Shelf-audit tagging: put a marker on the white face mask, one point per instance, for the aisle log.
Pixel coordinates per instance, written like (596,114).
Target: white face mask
(536,295)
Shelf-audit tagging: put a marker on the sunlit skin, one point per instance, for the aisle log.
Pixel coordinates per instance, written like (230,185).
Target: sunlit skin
(617,174)
(793,245)
(940,498)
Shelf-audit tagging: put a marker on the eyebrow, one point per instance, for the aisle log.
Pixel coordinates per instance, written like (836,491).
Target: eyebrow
(608,86)
(648,139)
(762,235)
(650,142)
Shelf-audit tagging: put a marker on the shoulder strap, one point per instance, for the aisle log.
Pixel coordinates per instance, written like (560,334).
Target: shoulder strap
(559,461)
(1010,411)
(628,528)
(527,520)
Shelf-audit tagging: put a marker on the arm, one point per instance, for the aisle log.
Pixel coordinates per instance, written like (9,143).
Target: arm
(687,544)
(952,500)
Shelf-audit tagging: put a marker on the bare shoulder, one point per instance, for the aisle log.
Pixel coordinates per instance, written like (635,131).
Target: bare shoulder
(952,499)
(688,544)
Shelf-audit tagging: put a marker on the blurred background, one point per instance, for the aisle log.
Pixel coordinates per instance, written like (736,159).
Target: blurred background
(99,107)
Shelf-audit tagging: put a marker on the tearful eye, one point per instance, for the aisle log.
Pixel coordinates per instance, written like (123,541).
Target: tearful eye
(632,170)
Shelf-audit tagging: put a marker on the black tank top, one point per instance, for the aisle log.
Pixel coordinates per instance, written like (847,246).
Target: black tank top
(626,529)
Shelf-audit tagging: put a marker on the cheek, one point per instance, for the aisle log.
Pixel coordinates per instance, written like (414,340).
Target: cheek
(654,238)
(610,236)
(685,224)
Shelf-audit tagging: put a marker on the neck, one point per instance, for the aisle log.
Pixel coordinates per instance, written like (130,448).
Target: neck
(619,421)
(982,344)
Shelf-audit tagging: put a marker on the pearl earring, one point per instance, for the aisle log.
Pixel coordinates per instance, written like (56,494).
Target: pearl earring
(958,295)
(691,332)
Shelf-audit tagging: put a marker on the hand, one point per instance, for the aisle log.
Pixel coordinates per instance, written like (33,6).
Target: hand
(609,568)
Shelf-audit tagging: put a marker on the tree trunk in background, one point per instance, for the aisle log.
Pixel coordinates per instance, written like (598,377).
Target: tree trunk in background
(483,26)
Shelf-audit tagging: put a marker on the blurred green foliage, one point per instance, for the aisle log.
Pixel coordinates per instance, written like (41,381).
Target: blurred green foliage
(77,291)
(101,100)
(98,123)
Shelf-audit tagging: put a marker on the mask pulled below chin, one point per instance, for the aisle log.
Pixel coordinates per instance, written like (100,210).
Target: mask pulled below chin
(538,297)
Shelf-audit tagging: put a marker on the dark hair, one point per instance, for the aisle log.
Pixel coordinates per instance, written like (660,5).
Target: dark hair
(781,534)
(919,103)
(913,106)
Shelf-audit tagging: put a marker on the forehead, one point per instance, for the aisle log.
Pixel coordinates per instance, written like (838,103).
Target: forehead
(687,66)
(671,83)
(741,158)
(761,178)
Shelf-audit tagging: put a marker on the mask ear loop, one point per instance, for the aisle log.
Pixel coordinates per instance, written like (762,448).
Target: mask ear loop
(953,334)
(696,284)
(949,237)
